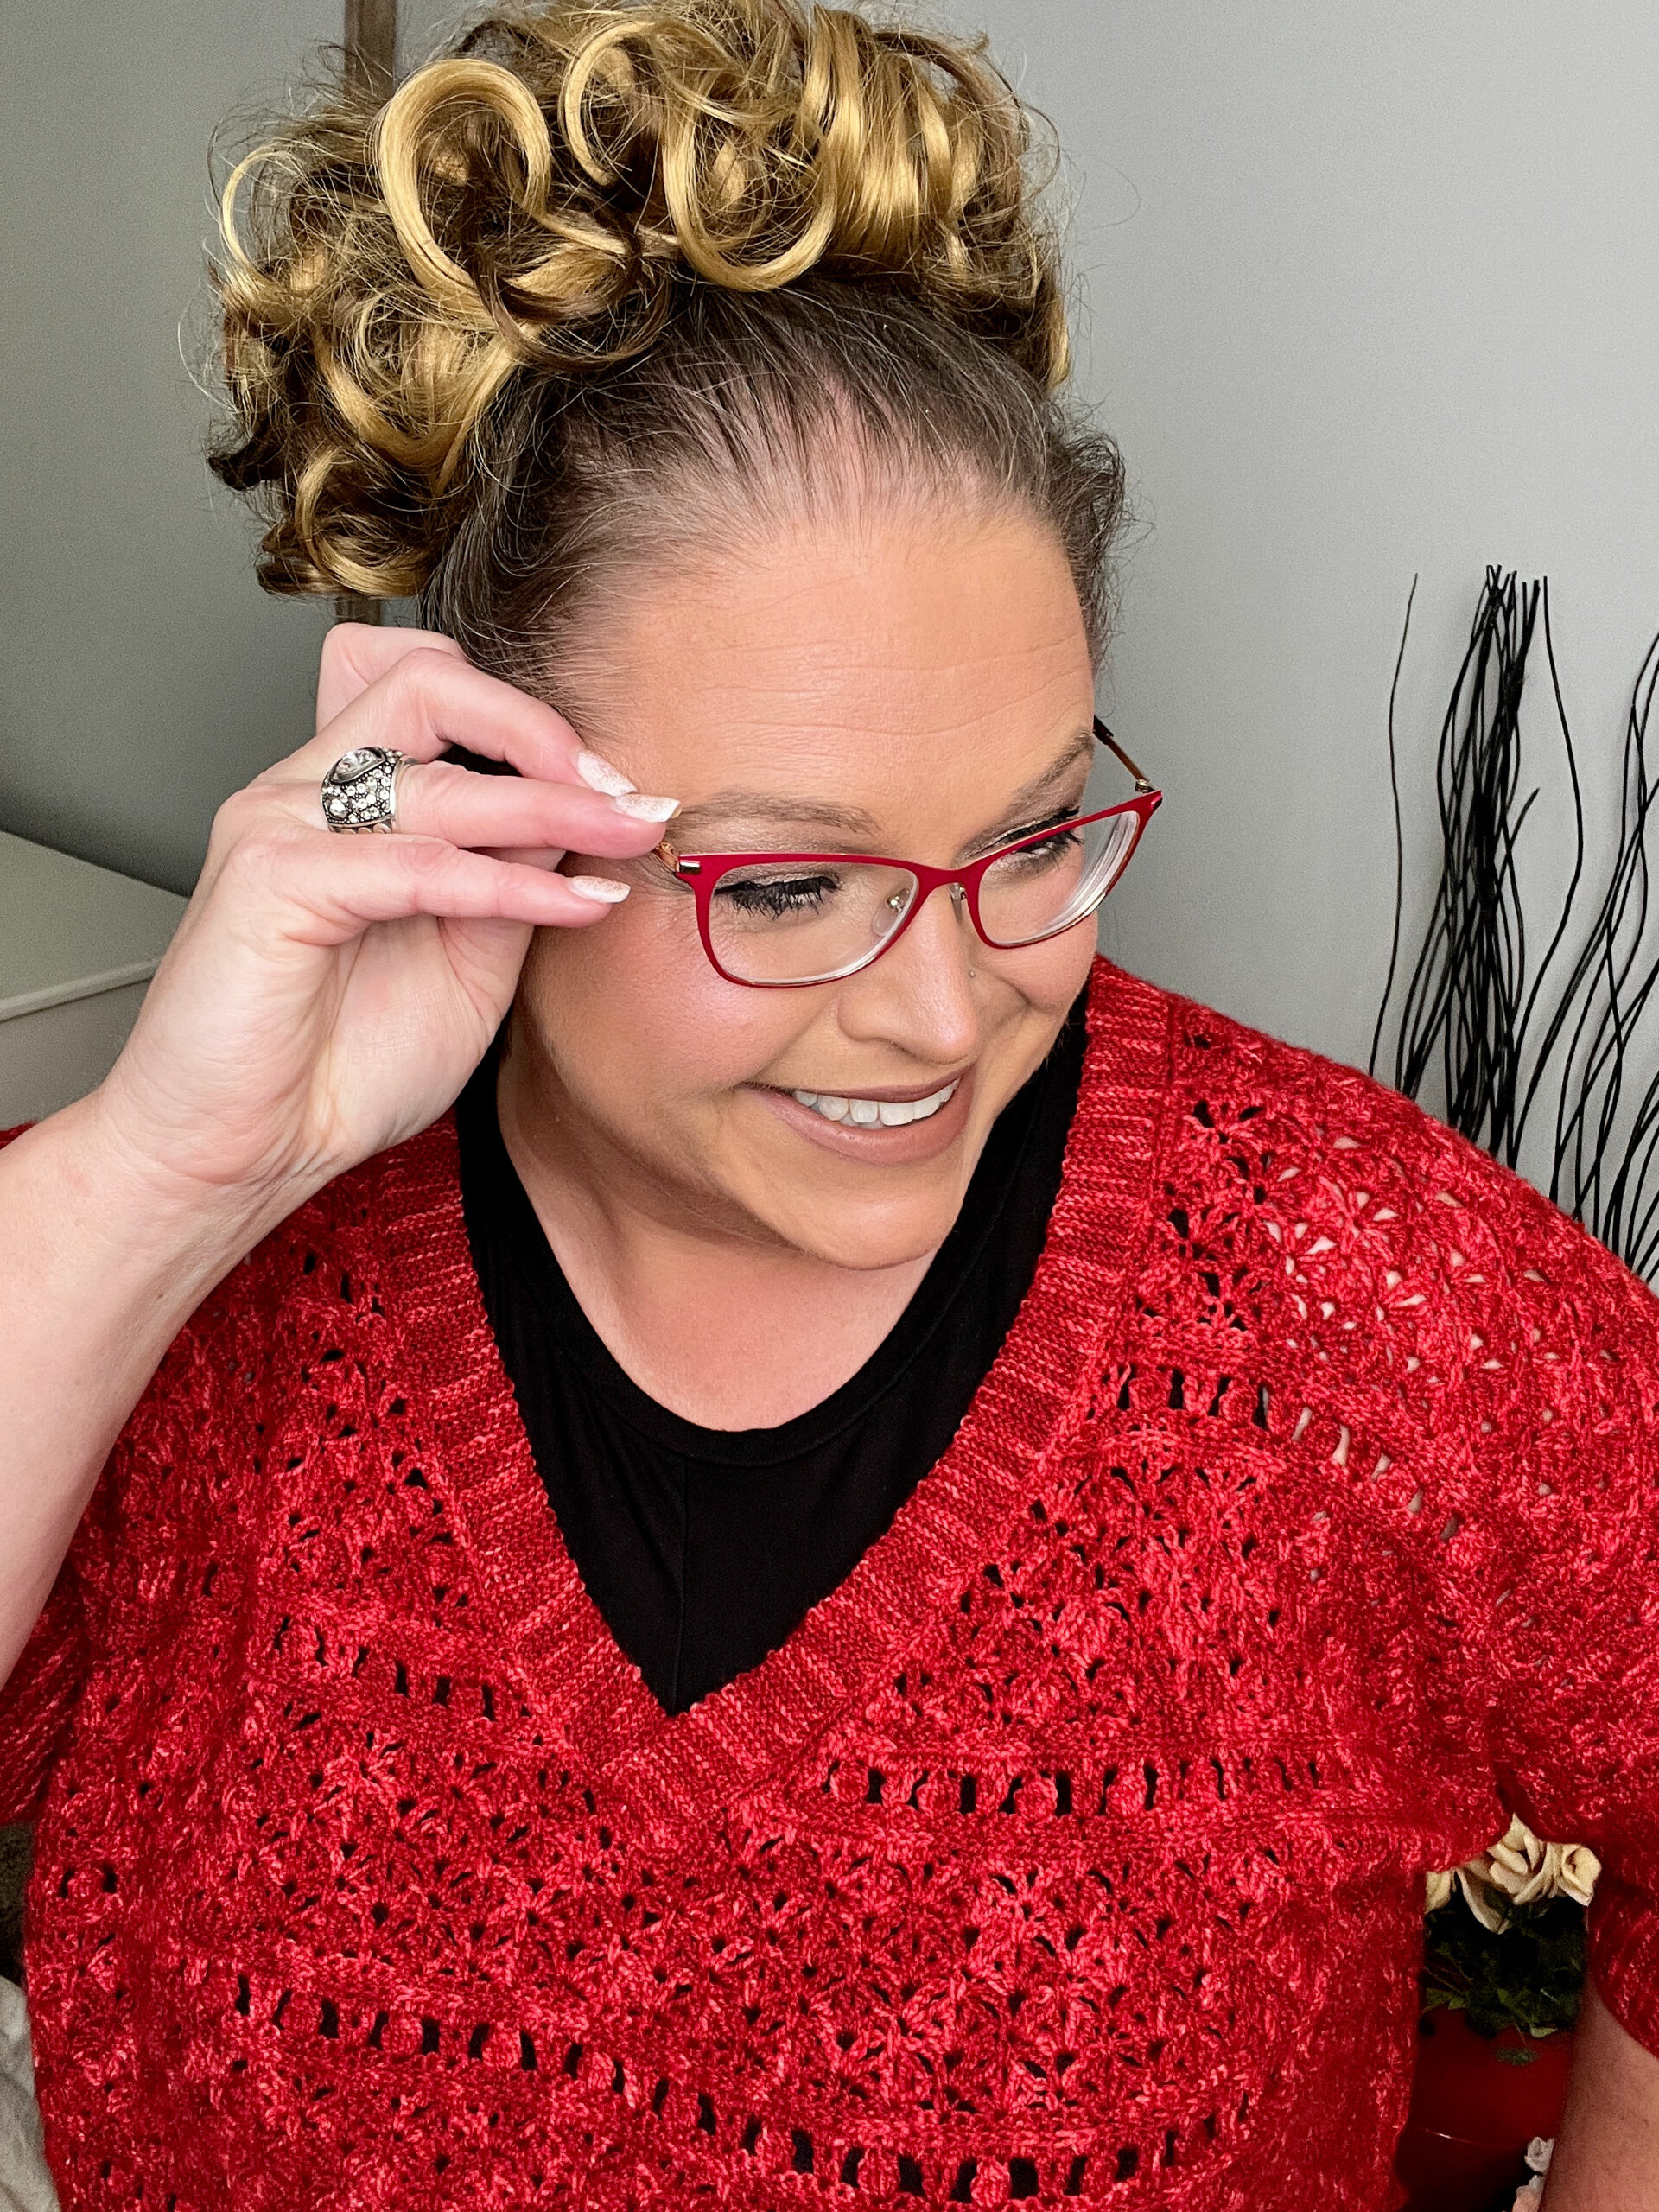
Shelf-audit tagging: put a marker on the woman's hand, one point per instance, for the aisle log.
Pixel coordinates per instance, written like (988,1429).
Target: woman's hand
(327,995)
(324,996)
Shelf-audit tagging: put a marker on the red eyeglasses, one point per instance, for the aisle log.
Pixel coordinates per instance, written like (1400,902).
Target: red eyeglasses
(777,921)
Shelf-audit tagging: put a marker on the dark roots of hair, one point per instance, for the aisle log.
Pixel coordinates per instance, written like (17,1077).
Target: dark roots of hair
(746,405)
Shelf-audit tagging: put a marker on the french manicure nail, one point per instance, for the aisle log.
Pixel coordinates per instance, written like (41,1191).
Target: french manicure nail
(599,776)
(604,890)
(646,807)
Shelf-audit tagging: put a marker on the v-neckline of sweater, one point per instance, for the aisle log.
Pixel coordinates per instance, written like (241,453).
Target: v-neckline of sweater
(669,1768)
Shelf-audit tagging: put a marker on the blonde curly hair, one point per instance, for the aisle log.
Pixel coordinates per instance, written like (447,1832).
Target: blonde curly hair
(477,336)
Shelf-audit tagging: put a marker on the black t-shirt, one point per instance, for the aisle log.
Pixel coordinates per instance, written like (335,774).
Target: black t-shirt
(704,1548)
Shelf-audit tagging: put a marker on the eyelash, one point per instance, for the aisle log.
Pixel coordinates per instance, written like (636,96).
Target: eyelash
(1035,829)
(785,895)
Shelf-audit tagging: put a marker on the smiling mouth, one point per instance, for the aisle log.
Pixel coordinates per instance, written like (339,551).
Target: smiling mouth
(872,1113)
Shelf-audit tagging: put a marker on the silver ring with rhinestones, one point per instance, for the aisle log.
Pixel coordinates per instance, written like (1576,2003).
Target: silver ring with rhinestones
(360,790)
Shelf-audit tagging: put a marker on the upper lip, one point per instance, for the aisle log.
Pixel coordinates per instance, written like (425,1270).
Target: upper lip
(882,1094)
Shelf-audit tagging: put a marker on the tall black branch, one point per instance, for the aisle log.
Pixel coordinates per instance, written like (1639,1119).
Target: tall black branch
(1472,1015)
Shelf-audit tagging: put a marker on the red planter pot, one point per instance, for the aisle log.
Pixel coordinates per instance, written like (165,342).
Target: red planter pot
(1473,2114)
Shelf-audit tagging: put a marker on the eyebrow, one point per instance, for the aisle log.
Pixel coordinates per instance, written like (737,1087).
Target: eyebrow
(746,807)
(1031,796)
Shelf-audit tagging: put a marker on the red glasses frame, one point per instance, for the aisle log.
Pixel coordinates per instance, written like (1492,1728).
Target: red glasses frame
(701,873)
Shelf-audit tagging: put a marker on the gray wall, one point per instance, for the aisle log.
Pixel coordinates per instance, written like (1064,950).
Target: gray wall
(1367,293)
(143,673)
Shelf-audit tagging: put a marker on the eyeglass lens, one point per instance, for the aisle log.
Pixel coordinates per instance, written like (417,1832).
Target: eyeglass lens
(799,922)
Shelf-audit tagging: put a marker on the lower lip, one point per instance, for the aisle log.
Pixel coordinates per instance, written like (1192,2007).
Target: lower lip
(877,1146)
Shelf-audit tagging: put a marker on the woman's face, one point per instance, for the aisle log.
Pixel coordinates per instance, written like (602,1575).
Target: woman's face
(917,686)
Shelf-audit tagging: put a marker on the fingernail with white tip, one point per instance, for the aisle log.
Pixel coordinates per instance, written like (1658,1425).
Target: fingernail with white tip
(599,776)
(645,806)
(603,890)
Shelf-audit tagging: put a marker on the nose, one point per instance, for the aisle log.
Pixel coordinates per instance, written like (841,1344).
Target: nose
(918,996)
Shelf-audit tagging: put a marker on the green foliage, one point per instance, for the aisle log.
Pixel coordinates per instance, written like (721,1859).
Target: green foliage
(1528,1975)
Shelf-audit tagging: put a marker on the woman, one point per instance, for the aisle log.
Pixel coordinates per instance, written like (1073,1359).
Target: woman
(691,1512)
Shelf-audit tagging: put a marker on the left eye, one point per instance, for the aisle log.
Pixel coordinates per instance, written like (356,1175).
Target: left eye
(1030,858)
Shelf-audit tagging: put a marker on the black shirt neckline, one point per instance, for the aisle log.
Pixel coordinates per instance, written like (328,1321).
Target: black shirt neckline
(703,1549)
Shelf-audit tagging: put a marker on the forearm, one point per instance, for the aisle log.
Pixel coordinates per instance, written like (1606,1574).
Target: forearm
(99,1268)
(1606,2156)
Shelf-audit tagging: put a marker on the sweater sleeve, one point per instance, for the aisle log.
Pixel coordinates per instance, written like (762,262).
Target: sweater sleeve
(146,1511)
(1546,1366)
(102,1575)
(39,1696)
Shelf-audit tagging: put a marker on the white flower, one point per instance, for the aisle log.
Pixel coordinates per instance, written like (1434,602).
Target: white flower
(1530,2195)
(1574,1871)
(1517,1864)
(1522,1870)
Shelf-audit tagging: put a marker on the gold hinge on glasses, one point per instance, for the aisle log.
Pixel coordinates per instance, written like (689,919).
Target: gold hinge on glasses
(1142,783)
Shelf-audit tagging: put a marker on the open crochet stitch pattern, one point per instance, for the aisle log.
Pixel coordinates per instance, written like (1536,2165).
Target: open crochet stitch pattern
(1071,1850)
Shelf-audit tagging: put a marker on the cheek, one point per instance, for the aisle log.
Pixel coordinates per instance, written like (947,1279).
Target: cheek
(1074,970)
(636,1020)
(1050,975)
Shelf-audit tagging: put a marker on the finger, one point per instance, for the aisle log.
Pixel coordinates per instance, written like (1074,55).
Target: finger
(327,890)
(428,699)
(357,654)
(437,799)
(532,855)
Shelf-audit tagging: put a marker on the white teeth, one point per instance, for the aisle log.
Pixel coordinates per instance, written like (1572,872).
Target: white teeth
(869,1113)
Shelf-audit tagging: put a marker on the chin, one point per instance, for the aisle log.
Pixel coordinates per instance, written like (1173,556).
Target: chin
(884,1237)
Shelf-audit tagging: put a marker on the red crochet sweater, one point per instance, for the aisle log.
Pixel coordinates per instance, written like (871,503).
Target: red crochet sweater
(1072,1848)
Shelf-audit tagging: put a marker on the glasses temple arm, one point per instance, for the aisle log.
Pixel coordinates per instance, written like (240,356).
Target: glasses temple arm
(1142,782)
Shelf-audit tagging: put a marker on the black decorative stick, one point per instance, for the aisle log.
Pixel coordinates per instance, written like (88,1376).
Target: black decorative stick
(1470,1013)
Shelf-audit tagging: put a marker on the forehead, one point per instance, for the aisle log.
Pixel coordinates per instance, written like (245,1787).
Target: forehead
(868,658)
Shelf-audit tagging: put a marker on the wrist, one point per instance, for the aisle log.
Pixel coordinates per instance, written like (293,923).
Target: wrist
(140,1217)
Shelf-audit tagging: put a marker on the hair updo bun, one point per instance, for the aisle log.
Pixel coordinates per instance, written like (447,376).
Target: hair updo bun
(455,325)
